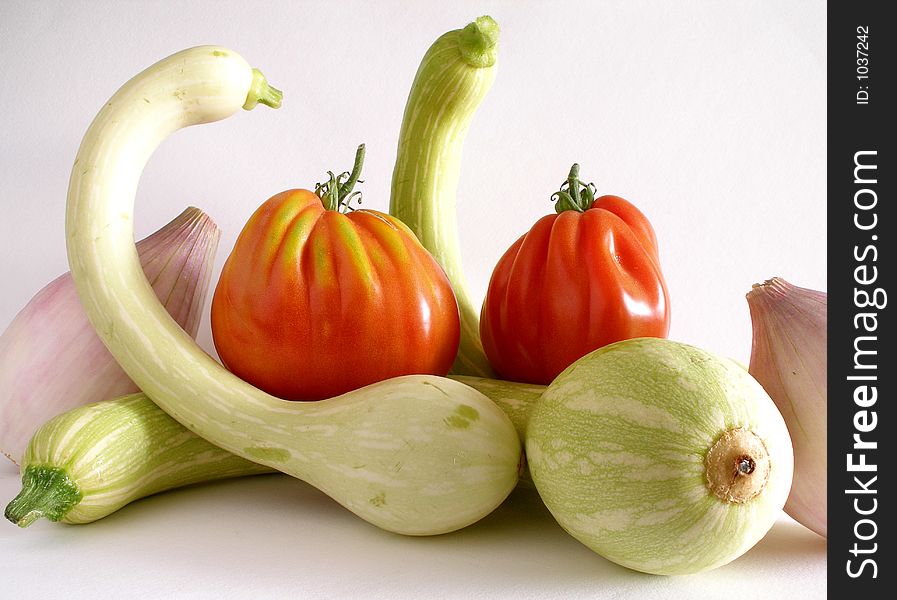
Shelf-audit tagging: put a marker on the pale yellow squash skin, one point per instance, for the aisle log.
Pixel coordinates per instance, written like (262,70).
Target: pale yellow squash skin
(416,455)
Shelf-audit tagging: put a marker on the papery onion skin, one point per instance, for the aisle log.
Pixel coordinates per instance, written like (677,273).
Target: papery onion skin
(788,357)
(51,359)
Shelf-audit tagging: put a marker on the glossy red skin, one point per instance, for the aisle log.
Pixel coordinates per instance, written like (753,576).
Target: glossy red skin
(313,303)
(574,283)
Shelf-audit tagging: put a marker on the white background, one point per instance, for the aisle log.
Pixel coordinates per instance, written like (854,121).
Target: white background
(709,116)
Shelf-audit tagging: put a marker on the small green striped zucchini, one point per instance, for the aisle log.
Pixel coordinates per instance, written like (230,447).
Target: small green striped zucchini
(90,461)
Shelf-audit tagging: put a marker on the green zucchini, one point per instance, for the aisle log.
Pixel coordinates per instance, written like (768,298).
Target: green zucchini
(453,79)
(92,460)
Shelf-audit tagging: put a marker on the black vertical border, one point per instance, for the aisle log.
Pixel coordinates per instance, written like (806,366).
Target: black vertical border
(854,127)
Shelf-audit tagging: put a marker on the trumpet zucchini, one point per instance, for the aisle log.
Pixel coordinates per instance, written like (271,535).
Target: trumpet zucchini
(417,455)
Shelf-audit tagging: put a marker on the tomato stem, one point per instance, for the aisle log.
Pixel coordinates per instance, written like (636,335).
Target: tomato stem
(336,193)
(573,195)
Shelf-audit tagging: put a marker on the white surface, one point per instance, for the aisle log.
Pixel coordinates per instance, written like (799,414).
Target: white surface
(709,116)
(274,537)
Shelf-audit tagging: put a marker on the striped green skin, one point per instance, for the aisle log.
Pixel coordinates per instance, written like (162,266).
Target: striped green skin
(616,447)
(515,399)
(121,450)
(418,455)
(453,79)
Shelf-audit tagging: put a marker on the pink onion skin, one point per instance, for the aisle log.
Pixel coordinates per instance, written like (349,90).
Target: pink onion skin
(51,359)
(788,357)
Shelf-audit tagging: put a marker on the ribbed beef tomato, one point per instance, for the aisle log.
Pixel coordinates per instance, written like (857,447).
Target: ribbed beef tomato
(580,279)
(314,301)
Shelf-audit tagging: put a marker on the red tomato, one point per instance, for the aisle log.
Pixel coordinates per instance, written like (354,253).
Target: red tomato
(578,280)
(313,303)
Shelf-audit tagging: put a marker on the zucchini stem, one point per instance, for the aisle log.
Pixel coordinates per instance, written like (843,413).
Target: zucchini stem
(478,42)
(261,92)
(46,492)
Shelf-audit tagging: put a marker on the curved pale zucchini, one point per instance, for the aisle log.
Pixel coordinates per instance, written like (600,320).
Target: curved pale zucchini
(416,455)
(451,82)
(92,460)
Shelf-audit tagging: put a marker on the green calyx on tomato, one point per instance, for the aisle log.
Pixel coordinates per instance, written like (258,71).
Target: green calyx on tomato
(336,194)
(572,195)
(580,279)
(318,298)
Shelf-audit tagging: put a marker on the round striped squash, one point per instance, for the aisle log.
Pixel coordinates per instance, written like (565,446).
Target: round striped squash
(660,456)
